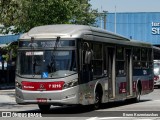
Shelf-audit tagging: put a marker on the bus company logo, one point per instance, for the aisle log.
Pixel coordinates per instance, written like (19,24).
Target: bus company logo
(41,86)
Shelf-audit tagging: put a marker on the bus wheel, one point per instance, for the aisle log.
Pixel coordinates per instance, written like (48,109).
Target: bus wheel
(44,108)
(97,100)
(138,96)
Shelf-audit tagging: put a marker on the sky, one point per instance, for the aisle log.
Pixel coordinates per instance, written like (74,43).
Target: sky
(126,5)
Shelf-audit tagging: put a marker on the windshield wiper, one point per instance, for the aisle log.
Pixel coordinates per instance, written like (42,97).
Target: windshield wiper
(53,62)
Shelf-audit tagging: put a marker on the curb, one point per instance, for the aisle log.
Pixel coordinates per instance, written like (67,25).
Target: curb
(7,87)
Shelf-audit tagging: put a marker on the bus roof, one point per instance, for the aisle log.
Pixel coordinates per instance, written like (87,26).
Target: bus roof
(66,30)
(74,31)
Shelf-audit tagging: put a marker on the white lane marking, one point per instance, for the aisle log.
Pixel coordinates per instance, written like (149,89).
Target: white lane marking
(109,118)
(136,104)
(92,118)
(106,118)
(144,119)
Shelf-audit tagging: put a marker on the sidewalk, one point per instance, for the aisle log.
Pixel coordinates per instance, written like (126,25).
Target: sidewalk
(7,97)
(5,86)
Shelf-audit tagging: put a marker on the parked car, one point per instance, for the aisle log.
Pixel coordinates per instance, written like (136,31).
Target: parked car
(157,73)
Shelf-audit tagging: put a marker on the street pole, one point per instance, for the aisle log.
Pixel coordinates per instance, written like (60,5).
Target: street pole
(115,21)
(101,17)
(105,19)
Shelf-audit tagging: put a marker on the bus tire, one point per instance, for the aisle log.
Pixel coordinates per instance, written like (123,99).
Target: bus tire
(44,108)
(98,98)
(97,101)
(138,93)
(138,96)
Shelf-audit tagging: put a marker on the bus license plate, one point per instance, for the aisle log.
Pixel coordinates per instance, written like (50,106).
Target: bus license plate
(41,100)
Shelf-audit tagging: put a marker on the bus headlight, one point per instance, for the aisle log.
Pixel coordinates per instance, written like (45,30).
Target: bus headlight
(18,85)
(70,84)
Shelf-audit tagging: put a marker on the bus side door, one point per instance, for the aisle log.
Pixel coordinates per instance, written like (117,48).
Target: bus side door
(110,54)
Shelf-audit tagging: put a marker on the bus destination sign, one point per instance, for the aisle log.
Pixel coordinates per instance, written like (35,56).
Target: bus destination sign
(46,43)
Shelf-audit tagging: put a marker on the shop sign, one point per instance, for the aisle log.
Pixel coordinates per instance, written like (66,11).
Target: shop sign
(155,28)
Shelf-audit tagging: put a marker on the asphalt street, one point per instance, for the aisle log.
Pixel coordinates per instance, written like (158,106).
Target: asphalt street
(149,105)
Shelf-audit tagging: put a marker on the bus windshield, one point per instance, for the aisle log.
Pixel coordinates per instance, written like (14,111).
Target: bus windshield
(55,64)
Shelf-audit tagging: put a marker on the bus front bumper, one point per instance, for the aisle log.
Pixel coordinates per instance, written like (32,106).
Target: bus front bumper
(63,97)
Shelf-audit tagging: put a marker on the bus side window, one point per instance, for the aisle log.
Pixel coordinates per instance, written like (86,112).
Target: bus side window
(143,54)
(136,58)
(136,54)
(150,59)
(144,58)
(87,56)
(120,62)
(98,60)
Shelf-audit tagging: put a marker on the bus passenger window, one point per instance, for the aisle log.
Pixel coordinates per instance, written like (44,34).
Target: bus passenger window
(120,53)
(145,65)
(136,54)
(97,49)
(120,70)
(150,55)
(98,60)
(120,62)
(144,54)
(136,58)
(137,65)
(97,68)
(150,59)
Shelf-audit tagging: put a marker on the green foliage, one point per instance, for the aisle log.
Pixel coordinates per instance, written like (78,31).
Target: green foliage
(26,14)
(9,52)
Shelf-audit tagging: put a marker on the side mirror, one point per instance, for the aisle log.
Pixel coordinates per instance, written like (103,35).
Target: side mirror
(88,56)
(88,53)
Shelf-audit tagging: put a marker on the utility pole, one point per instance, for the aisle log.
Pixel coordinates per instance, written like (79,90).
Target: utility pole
(115,20)
(105,18)
(101,17)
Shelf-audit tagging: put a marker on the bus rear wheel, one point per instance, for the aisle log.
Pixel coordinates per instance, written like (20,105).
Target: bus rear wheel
(138,96)
(44,108)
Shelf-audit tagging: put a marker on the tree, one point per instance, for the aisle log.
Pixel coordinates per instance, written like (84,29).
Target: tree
(9,53)
(26,14)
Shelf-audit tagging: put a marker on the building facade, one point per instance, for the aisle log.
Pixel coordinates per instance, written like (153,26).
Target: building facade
(8,39)
(143,26)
